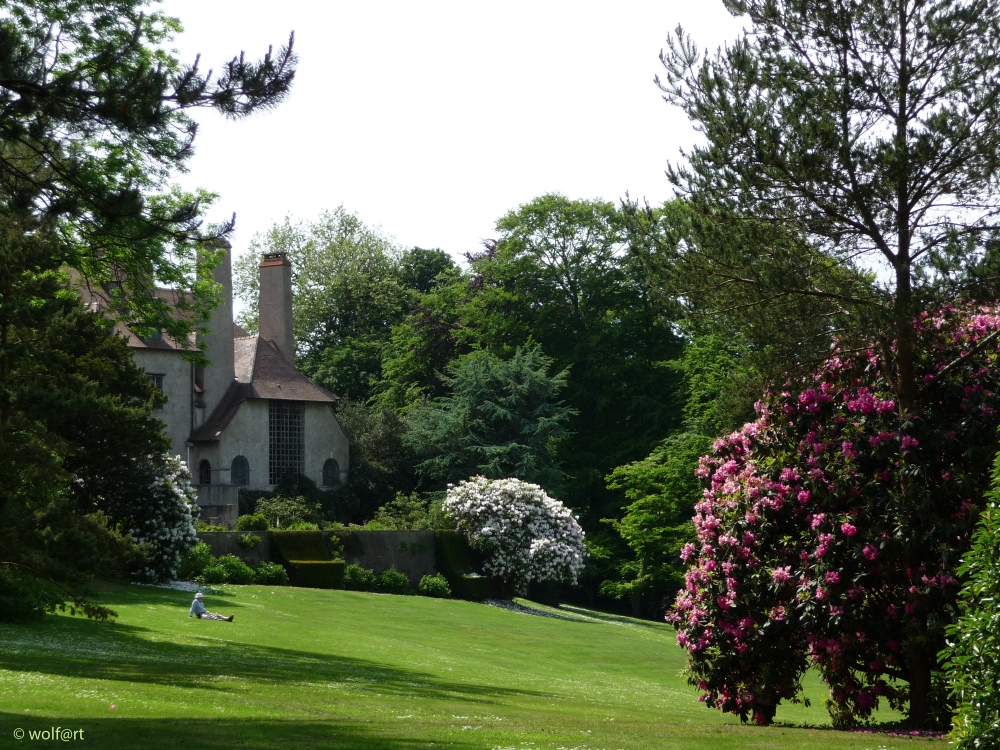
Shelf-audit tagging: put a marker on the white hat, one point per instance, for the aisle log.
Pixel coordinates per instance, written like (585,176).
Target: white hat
(199,596)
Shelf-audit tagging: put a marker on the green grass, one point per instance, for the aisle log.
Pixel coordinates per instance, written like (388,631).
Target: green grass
(302,668)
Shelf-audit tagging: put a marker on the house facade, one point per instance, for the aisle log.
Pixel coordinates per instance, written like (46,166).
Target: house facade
(248,418)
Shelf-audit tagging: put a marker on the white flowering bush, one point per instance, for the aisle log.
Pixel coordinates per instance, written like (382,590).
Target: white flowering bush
(167,526)
(524,534)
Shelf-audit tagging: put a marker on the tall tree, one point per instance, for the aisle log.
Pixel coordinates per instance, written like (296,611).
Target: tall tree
(863,139)
(870,130)
(500,419)
(348,295)
(93,121)
(560,275)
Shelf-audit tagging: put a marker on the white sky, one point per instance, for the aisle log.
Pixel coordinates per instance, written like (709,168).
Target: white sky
(434,119)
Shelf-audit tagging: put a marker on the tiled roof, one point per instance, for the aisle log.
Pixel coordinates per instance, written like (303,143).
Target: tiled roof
(261,372)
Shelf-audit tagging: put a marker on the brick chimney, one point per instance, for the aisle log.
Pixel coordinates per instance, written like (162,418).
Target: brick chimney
(275,303)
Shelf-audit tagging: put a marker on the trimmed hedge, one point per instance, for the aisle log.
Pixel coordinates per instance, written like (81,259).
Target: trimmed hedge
(472,588)
(317,574)
(456,562)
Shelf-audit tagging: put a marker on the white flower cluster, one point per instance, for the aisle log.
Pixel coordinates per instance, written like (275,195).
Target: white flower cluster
(168,526)
(525,534)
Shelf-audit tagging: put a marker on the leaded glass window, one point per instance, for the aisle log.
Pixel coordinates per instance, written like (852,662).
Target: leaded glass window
(286,428)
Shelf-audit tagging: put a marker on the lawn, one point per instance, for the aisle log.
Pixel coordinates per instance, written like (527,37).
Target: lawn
(306,668)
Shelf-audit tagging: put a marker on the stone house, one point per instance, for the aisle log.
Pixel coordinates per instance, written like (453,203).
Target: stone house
(248,418)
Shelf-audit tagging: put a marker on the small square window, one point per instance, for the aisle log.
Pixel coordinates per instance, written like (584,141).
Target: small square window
(156,380)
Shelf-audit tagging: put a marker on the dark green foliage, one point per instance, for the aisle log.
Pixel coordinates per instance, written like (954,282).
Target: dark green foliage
(662,491)
(410,513)
(270,574)
(357,578)
(202,526)
(870,132)
(252,522)
(452,554)
(435,585)
(503,418)
(317,574)
(972,659)
(472,588)
(456,561)
(300,545)
(381,465)
(93,113)
(197,559)
(25,597)
(282,512)
(391,581)
(227,569)
(248,541)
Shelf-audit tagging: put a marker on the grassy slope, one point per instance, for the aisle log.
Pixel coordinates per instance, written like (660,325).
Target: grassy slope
(305,668)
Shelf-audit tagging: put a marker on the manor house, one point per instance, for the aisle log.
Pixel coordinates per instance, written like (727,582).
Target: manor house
(248,418)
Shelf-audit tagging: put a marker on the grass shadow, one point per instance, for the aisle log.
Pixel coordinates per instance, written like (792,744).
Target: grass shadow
(75,647)
(250,734)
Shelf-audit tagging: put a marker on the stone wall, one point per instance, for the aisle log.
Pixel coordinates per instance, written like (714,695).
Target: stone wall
(411,552)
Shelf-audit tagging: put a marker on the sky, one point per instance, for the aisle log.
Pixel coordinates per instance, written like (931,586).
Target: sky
(432,120)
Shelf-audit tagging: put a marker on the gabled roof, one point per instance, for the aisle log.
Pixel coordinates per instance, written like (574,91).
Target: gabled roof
(261,373)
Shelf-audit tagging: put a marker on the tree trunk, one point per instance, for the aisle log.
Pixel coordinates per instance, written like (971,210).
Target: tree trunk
(920,687)
(636,603)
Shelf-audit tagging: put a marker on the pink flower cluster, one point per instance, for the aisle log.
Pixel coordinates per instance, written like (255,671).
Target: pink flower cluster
(804,530)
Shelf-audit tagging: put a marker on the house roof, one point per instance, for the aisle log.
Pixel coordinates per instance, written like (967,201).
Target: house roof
(261,373)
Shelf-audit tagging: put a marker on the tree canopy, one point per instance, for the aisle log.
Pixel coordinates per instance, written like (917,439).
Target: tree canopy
(93,122)
(868,131)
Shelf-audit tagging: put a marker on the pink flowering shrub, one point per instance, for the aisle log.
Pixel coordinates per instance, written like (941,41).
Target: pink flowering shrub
(831,528)
(524,534)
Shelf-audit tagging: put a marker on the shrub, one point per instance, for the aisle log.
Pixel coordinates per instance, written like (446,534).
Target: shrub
(196,560)
(302,526)
(832,527)
(270,574)
(524,534)
(408,513)
(391,581)
(202,526)
(973,657)
(252,522)
(167,530)
(24,597)
(228,569)
(284,512)
(357,578)
(213,573)
(248,541)
(435,585)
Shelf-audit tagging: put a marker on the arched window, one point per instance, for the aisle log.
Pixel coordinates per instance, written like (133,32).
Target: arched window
(239,471)
(331,473)
(204,472)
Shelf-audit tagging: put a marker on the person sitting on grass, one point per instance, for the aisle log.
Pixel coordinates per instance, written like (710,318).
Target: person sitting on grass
(198,610)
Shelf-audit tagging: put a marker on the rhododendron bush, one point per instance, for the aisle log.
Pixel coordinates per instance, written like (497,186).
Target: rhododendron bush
(165,523)
(832,526)
(524,534)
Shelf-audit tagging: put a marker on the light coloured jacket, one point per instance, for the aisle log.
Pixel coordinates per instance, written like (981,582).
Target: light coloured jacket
(197,608)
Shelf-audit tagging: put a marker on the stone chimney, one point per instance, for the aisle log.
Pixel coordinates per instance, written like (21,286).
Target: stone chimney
(217,344)
(275,303)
